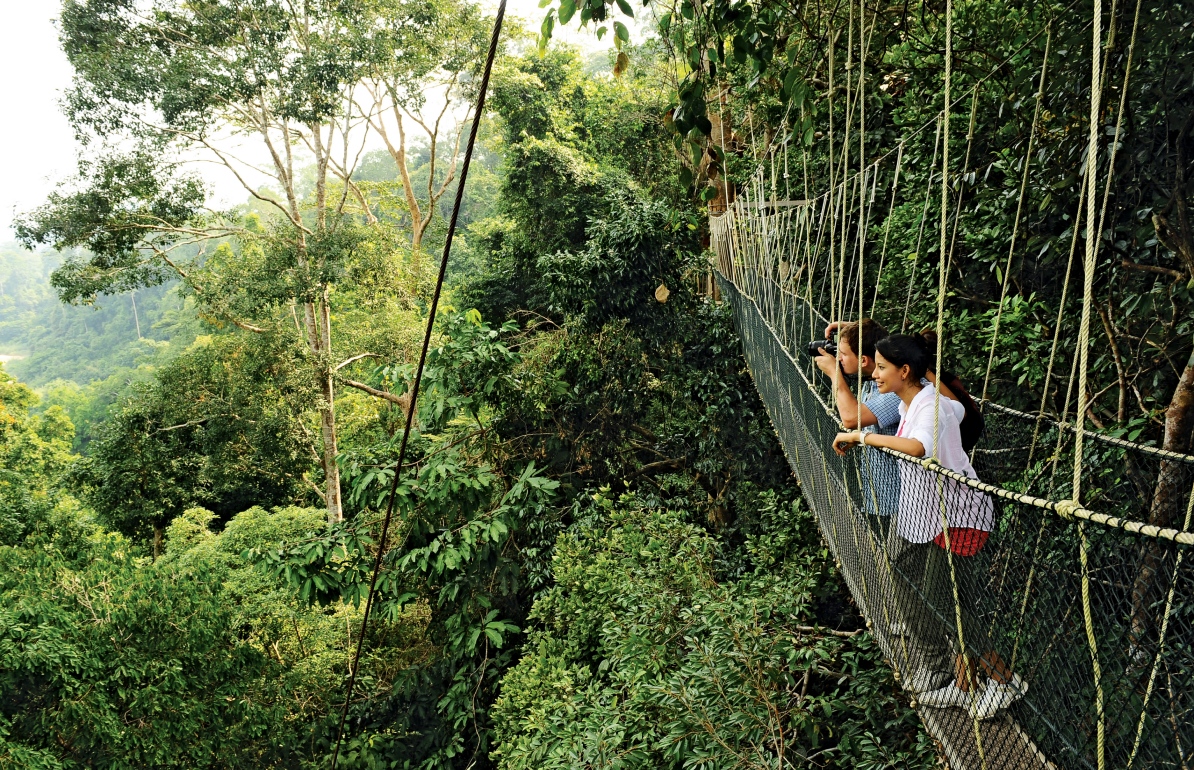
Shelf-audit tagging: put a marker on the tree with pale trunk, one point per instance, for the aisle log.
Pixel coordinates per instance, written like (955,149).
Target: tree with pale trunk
(423,92)
(269,90)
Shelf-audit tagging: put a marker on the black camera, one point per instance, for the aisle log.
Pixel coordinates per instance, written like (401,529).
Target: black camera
(814,348)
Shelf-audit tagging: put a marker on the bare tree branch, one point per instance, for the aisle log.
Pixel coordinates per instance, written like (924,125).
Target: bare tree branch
(353,360)
(402,401)
(189,424)
(1177,275)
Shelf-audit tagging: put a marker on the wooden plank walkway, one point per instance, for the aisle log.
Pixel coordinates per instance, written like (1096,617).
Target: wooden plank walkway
(1005,746)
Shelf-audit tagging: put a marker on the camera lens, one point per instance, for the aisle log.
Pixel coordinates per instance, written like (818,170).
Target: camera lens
(816,346)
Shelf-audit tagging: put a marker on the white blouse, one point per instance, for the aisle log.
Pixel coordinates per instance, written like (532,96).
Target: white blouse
(922,491)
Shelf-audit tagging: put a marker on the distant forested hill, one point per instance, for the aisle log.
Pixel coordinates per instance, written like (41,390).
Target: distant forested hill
(79,344)
(85,358)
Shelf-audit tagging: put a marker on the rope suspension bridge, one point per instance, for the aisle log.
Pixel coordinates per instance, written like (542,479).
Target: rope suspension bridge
(1085,585)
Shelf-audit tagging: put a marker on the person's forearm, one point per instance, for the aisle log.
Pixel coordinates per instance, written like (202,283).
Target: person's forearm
(908,446)
(847,403)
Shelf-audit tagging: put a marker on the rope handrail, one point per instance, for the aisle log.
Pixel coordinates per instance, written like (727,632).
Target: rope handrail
(1142,448)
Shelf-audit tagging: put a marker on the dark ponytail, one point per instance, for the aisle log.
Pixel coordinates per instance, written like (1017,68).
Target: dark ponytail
(930,337)
(910,350)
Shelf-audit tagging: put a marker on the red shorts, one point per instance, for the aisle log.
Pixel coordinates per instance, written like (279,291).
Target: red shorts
(963,541)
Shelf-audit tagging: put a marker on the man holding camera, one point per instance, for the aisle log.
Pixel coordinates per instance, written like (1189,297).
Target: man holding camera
(869,411)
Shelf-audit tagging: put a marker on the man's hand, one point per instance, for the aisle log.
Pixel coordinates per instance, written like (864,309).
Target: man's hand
(831,328)
(844,442)
(826,363)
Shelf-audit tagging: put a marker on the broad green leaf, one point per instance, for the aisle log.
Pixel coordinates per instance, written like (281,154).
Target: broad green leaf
(567,10)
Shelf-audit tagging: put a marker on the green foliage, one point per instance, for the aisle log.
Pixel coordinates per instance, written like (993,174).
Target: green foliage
(640,658)
(109,663)
(236,438)
(121,198)
(460,523)
(84,344)
(630,251)
(569,164)
(597,557)
(196,660)
(160,87)
(34,453)
(769,67)
(472,368)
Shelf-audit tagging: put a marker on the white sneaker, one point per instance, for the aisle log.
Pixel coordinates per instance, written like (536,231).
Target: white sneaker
(946,697)
(924,681)
(897,628)
(996,696)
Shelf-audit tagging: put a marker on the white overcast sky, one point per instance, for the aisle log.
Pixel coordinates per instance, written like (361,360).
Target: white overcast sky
(37,147)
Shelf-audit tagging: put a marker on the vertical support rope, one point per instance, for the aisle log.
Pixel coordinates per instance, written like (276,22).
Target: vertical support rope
(1092,237)
(864,215)
(924,218)
(1065,286)
(942,278)
(1011,249)
(1119,118)
(953,239)
(1082,189)
(832,203)
(895,186)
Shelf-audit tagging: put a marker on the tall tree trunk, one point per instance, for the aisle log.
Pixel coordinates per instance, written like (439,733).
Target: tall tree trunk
(321,176)
(136,318)
(327,415)
(1167,508)
(317,321)
(331,471)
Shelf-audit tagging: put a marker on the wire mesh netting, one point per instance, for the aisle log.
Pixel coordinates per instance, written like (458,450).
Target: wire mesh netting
(1086,626)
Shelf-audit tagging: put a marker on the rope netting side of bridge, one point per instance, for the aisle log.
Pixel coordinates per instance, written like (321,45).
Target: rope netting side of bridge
(1088,605)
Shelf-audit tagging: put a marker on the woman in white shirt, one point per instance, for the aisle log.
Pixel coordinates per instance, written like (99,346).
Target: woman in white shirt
(930,428)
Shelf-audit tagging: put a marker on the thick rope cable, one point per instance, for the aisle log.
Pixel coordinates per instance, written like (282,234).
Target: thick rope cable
(1011,248)
(478,112)
(1123,96)
(1092,239)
